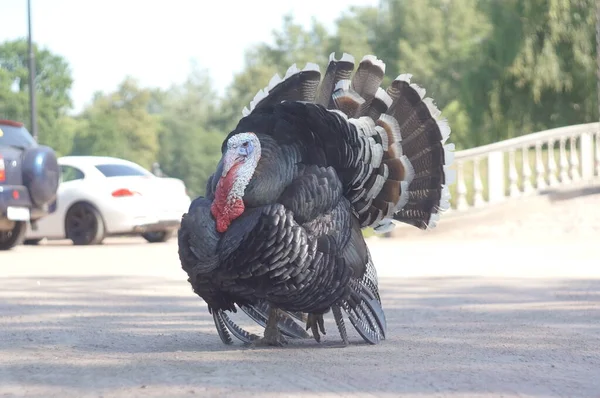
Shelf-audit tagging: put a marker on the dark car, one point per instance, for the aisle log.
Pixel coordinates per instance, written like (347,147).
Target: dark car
(29,176)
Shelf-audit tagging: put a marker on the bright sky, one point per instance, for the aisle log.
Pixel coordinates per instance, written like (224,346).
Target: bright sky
(155,40)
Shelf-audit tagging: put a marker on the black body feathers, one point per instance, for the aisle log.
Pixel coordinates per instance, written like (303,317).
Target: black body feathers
(338,154)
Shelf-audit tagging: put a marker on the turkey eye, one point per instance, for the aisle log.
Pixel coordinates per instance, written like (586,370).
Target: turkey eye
(245,144)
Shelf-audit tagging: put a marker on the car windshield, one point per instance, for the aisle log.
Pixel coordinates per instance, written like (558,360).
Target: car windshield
(15,136)
(122,170)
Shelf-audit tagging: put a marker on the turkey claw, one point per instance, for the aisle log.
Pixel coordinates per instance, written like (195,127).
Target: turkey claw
(316,323)
(270,339)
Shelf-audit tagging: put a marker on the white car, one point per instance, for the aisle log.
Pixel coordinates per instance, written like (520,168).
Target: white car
(105,196)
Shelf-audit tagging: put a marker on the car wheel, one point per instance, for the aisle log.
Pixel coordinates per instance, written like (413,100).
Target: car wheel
(32,241)
(84,225)
(157,236)
(14,237)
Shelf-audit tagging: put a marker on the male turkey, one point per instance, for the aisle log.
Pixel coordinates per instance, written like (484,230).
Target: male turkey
(310,164)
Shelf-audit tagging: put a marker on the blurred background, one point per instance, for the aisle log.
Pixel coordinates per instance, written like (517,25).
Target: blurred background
(164,81)
(499,300)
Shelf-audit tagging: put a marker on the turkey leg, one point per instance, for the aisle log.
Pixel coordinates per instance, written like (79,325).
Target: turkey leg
(272,334)
(315,323)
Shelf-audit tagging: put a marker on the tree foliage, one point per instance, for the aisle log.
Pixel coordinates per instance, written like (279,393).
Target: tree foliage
(190,146)
(497,69)
(119,124)
(292,45)
(538,68)
(52,85)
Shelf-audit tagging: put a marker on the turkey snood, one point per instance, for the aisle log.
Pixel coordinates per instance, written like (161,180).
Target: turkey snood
(239,163)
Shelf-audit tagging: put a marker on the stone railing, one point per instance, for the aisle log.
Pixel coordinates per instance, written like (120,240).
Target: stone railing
(526,165)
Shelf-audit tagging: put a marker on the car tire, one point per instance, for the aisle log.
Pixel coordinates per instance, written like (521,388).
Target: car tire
(14,237)
(84,224)
(158,236)
(41,174)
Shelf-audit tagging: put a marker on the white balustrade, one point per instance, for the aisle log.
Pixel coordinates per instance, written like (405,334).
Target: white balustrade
(577,159)
(513,176)
(478,200)
(540,170)
(587,156)
(574,159)
(496,174)
(552,180)
(563,163)
(527,186)
(597,153)
(461,187)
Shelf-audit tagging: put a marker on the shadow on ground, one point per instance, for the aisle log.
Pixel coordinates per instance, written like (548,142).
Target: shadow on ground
(109,241)
(463,335)
(555,195)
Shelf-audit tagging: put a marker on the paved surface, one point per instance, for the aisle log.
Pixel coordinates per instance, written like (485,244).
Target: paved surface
(504,303)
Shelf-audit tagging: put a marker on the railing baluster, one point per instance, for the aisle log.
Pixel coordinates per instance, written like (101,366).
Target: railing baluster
(540,170)
(586,156)
(573,155)
(496,175)
(564,164)
(552,180)
(461,187)
(597,153)
(527,187)
(574,159)
(513,176)
(477,184)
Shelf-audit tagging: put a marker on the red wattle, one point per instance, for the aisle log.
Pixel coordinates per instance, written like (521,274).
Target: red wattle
(229,212)
(225,209)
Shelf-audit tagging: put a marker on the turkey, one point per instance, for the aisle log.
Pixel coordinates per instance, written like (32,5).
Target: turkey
(310,164)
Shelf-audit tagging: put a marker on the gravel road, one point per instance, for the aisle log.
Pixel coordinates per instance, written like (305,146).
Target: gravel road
(501,303)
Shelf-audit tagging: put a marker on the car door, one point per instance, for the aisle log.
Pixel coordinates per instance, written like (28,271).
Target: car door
(53,225)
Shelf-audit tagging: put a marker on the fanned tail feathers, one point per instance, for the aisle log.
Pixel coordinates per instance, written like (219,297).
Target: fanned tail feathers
(404,172)
(403,169)
(259,313)
(364,307)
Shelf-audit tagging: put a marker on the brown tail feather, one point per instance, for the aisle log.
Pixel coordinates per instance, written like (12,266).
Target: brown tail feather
(403,174)
(367,79)
(297,85)
(336,71)
(346,99)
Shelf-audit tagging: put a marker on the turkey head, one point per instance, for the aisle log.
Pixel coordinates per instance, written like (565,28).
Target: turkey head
(239,163)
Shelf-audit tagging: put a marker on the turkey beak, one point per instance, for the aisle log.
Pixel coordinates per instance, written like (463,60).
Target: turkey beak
(230,159)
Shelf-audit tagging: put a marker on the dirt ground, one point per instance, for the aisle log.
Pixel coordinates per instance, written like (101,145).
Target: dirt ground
(502,303)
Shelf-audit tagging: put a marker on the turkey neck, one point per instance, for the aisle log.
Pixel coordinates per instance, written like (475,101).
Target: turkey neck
(229,194)
(254,183)
(274,172)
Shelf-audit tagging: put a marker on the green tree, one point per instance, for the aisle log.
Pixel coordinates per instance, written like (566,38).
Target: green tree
(292,44)
(538,68)
(356,33)
(435,40)
(190,143)
(119,124)
(52,86)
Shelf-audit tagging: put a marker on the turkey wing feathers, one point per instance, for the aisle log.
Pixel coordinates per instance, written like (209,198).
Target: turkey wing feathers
(267,255)
(315,191)
(337,155)
(198,238)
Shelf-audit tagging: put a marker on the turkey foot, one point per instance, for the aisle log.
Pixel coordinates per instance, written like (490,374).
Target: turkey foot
(272,336)
(315,323)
